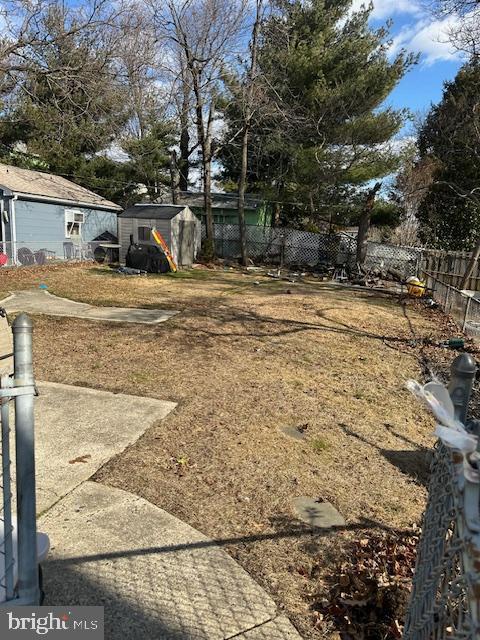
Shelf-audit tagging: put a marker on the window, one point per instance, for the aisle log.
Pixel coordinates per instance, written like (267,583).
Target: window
(74,220)
(144,234)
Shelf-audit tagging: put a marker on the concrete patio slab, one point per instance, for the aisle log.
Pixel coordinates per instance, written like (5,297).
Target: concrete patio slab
(156,576)
(43,302)
(77,430)
(321,515)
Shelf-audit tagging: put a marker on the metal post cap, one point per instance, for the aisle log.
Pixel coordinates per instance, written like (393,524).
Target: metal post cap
(464,365)
(22,323)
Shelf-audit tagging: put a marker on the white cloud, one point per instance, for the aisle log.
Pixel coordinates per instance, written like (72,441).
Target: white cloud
(386,8)
(428,37)
(423,33)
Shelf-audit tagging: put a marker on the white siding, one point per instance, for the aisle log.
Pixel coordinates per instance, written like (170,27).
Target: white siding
(168,228)
(125,229)
(186,215)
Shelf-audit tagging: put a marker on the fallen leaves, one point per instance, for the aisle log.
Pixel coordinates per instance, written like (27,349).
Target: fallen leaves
(368,593)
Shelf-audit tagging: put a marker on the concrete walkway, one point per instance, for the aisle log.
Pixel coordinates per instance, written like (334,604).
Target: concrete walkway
(78,430)
(40,301)
(156,576)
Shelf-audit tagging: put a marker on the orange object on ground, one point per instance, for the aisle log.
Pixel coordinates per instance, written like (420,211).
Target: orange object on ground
(157,236)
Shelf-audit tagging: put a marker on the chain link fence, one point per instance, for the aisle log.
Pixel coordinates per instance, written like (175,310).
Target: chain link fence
(275,245)
(439,605)
(445,598)
(303,249)
(406,260)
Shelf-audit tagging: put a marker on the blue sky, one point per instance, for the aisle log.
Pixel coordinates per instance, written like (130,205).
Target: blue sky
(416,29)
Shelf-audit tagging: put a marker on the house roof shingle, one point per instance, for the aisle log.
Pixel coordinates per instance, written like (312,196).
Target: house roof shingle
(46,185)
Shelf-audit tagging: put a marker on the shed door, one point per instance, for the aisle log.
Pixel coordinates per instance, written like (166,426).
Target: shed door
(186,242)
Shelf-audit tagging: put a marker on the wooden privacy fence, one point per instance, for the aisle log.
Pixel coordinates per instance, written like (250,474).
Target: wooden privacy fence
(449,267)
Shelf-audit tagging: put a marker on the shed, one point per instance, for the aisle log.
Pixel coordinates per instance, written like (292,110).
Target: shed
(44,216)
(180,228)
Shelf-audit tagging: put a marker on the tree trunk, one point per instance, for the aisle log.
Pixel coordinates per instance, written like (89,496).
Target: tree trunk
(276,215)
(471,265)
(204,134)
(174,176)
(184,163)
(206,144)
(207,202)
(364,224)
(242,183)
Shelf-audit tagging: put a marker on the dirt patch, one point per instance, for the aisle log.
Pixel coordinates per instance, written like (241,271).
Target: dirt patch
(246,362)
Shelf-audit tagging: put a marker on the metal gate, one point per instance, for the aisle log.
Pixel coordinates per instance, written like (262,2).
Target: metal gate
(18,535)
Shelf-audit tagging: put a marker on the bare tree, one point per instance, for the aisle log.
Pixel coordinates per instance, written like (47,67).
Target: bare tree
(140,71)
(248,108)
(464,29)
(364,223)
(207,34)
(411,185)
(24,35)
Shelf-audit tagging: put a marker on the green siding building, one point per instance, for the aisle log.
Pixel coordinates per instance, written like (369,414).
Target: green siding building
(225,208)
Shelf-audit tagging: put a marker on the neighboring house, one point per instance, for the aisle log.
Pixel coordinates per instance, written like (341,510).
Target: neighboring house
(225,208)
(44,216)
(179,227)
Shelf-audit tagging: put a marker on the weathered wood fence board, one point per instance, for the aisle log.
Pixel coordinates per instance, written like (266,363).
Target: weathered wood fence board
(449,267)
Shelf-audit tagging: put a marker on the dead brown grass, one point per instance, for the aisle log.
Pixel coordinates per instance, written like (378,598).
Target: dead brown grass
(243,360)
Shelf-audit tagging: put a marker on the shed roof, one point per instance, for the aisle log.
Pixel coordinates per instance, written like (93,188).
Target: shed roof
(47,186)
(153,211)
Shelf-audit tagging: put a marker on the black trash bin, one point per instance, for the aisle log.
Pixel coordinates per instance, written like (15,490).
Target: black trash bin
(147,257)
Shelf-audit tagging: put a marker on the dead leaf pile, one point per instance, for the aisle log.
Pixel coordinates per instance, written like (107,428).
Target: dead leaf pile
(367,595)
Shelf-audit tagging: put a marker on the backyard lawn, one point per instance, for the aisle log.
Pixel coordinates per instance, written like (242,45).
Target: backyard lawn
(251,363)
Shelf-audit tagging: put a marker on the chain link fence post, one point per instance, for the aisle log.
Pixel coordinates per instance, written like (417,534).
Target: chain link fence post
(28,588)
(462,370)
